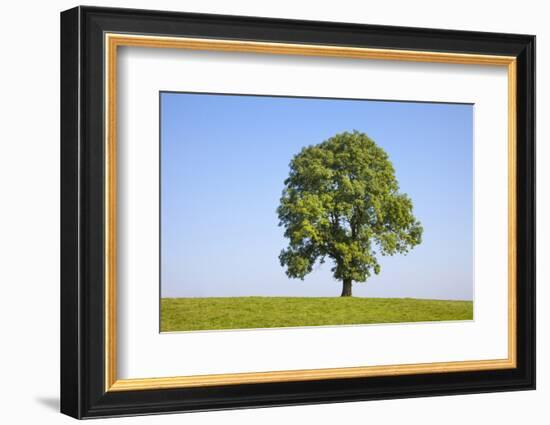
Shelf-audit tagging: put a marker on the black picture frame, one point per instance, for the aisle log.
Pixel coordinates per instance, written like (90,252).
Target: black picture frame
(83,392)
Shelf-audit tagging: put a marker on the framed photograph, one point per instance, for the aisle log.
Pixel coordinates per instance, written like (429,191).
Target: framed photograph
(261,212)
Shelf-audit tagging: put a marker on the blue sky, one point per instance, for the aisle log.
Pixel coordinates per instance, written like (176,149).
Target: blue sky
(223,162)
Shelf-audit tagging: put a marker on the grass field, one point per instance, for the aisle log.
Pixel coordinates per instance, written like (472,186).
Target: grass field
(189,314)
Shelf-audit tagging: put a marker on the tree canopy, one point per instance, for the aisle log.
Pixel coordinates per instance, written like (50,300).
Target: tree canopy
(341,201)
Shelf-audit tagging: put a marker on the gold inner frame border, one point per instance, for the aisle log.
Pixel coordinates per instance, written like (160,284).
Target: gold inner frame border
(113,40)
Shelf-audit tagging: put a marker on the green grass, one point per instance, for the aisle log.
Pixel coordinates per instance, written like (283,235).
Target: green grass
(190,314)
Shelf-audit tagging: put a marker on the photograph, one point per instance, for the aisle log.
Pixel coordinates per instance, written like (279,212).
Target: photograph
(289,212)
(284,210)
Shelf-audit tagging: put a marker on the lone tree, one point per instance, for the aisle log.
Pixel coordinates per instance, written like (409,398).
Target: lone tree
(341,200)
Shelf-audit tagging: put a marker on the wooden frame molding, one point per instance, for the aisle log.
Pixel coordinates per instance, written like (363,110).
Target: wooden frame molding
(114,40)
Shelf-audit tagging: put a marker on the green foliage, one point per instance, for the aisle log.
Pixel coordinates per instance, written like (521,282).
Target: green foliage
(341,201)
(189,314)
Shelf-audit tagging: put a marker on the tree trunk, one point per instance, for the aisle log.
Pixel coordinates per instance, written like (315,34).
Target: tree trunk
(346,289)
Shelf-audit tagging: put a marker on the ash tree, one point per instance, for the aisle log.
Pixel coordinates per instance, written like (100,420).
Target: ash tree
(341,201)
